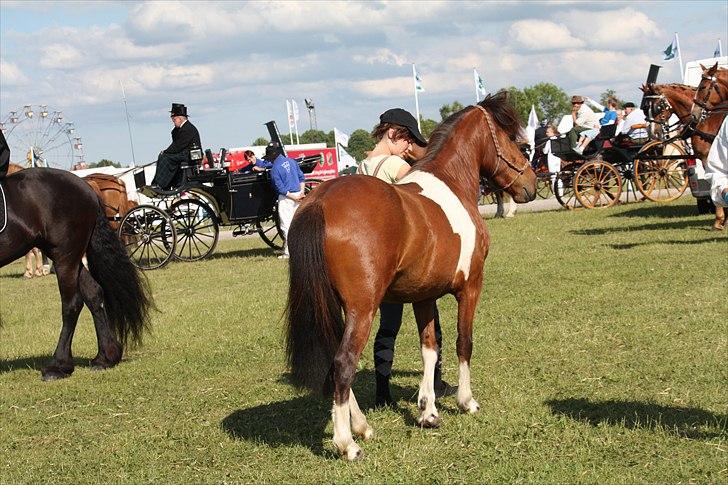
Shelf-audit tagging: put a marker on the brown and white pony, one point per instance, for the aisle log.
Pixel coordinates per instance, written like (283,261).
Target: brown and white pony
(34,252)
(357,241)
(666,99)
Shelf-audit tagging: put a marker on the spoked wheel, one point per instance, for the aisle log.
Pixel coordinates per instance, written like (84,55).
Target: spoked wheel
(564,187)
(661,180)
(597,184)
(269,230)
(197,230)
(148,235)
(543,186)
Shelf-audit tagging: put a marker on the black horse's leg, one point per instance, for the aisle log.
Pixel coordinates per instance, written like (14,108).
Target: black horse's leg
(110,349)
(71,304)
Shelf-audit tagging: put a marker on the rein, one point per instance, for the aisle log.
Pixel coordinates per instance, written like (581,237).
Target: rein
(500,157)
(704,104)
(688,122)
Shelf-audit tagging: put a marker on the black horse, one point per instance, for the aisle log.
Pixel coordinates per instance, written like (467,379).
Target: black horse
(59,213)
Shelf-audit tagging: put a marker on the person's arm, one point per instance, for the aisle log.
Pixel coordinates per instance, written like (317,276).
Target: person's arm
(403,170)
(185,137)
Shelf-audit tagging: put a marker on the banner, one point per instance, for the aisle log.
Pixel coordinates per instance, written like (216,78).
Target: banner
(341,138)
(479,84)
(294,105)
(418,81)
(671,50)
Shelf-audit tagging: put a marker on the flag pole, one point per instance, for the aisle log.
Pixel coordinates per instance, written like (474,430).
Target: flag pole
(417,102)
(477,91)
(128,125)
(289,110)
(720,48)
(679,56)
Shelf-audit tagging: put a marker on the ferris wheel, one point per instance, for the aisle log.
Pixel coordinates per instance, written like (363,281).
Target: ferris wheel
(39,136)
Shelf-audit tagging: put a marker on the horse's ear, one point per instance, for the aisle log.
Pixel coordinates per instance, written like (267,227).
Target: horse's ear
(715,67)
(643,88)
(704,68)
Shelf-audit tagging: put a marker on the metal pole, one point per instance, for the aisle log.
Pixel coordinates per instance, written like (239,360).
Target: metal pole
(679,57)
(720,48)
(477,91)
(417,103)
(128,125)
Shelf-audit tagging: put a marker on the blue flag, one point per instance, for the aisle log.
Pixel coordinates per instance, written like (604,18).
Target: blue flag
(671,51)
(716,52)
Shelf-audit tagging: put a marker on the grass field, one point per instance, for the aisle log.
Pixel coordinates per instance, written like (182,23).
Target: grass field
(600,357)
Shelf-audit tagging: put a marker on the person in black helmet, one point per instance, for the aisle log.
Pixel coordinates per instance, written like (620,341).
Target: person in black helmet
(397,135)
(184,137)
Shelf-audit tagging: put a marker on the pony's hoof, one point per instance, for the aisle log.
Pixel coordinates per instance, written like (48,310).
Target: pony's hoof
(471,407)
(53,374)
(353,453)
(366,435)
(27,275)
(432,421)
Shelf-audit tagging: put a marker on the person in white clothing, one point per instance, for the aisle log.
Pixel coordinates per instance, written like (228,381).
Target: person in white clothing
(635,124)
(717,168)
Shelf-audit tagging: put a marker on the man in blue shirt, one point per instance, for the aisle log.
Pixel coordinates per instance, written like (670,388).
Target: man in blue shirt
(288,181)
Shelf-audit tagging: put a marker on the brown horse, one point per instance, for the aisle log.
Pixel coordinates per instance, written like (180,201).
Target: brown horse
(112,192)
(367,241)
(711,93)
(666,99)
(35,252)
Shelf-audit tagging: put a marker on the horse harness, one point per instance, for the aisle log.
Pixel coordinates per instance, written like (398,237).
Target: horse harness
(706,109)
(688,122)
(500,157)
(3,208)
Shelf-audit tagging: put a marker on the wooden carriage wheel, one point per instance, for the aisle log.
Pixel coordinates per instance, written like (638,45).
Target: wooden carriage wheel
(196,227)
(597,184)
(543,186)
(148,234)
(661,180)
(564,187)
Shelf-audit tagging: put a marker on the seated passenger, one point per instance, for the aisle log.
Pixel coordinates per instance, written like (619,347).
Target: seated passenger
(634,125)
(254,164)
(184,137)
(584,119)
(609,118)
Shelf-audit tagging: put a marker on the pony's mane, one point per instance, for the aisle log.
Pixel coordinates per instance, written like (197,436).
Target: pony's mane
(497,105)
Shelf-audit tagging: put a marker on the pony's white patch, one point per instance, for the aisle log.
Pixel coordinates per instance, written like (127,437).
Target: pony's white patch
(436,190)
(465,393)
(427,386)
(342,431)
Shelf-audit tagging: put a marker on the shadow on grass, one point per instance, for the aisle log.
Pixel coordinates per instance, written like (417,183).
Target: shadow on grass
(302,420)
(649,243)
(35,363)
(243,253)
(693,423)
(659,210)
(660,226)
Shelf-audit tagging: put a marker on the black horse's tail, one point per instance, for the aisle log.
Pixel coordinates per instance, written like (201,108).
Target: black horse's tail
(127,298)
(314,312)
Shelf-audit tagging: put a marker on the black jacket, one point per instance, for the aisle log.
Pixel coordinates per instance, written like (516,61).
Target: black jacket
(4,155)
(183,138)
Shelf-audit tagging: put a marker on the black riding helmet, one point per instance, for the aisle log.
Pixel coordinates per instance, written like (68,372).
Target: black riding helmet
(401,117)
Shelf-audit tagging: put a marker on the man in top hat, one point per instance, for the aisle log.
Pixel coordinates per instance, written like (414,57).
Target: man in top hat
(184,137)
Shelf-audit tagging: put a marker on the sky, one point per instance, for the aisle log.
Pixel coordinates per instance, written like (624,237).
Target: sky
(234,63)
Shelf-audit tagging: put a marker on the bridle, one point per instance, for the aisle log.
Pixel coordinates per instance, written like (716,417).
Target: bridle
(499,153)
(699,115)
(688,121)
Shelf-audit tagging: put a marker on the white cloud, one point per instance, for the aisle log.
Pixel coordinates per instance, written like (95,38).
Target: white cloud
(381,56)
(11,75)
(543,35)
(60,56)
(614,28)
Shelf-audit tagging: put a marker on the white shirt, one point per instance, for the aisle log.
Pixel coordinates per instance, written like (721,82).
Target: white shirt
(717,168)
(636,117)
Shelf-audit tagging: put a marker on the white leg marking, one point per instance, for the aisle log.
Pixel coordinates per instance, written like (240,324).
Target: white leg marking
(426,397)
(342,432)
(358,422)
(465,395)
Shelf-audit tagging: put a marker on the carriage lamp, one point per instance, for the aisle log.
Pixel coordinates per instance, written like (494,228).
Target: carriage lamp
(43,111)
(28,111)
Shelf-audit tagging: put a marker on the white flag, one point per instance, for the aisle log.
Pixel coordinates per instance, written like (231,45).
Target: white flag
(532,118)
(290,112)
(418,81)
(717,52)
(341,138)
(479,84)
(295,110)
(671,51)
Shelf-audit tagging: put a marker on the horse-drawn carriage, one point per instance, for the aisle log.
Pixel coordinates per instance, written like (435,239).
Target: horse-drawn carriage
(184,223)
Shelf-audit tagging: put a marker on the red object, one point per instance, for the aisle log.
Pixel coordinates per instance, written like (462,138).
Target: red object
(325,170)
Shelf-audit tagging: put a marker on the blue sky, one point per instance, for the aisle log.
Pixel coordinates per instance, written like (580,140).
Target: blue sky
(235,63)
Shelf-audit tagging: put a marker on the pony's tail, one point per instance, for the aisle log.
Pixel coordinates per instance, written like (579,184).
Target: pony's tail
(314,312)
(127,299)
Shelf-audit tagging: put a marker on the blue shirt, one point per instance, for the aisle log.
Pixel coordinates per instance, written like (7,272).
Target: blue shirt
(286,175)
(263,163)
(609,116)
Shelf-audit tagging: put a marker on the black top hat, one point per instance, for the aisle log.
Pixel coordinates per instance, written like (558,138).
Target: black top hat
(629,104)
(272,151)
(401,117)
(178,109)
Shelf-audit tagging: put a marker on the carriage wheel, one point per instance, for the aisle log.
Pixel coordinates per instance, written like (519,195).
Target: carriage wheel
(564,187)
(197,230)
(661,180)
(148,235)
(597,184)
(543,187)
(270,231)
(311,184)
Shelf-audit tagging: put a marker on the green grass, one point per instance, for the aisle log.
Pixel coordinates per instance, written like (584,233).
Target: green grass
(600,356)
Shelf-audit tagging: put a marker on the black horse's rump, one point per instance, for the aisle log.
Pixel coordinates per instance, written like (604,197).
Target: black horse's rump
(315,322)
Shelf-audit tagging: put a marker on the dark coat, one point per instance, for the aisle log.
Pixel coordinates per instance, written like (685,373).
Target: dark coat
(4,155)
(183,138)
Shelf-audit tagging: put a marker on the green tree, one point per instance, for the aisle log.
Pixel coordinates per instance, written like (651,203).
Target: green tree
(427,126)
(448,109)
(549,101)
(313,136)
(260,141)
(104,163)
(360,142)
(609,93)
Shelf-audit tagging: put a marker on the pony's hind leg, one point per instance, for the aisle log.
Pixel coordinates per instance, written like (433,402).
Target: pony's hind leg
(466,313)
(71,304)
(356,333)
(359,424)
(110,350)
(425,316)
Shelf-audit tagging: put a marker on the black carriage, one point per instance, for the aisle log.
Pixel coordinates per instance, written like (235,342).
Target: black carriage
(184,223)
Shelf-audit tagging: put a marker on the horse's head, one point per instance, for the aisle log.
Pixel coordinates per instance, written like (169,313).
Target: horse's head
(657,110)
(712,90)
(504,163)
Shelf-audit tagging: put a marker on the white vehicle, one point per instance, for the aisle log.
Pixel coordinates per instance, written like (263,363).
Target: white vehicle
(699,184)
